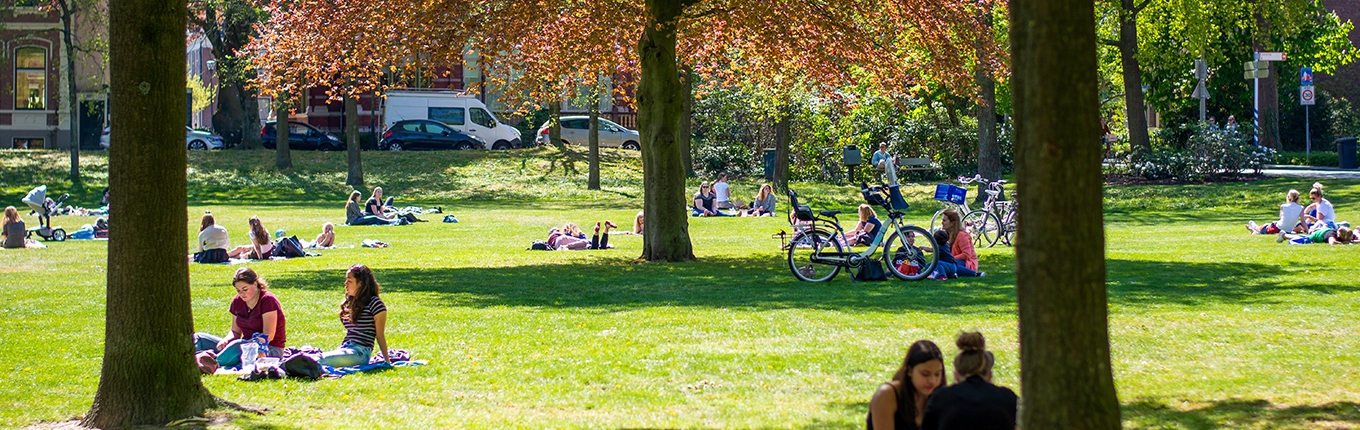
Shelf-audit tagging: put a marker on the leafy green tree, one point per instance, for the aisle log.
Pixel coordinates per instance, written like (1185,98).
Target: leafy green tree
(229,25)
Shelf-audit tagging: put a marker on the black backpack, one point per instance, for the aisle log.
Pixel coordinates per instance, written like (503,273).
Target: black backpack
(289,247)
(872,270)
(539,245)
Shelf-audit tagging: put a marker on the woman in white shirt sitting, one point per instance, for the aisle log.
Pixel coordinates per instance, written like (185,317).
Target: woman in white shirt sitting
(1290,218)
(212,241)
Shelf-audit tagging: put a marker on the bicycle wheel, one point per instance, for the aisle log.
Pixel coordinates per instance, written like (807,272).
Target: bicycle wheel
(801,251)
(935,220)
(983,226)
(1008,227)
(907,248)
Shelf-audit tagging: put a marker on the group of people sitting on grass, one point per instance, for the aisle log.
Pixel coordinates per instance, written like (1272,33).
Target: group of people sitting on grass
(957,258)
(214,245)
(713,199)
(256,310)
(1315,223)
(375,211)
(918,396)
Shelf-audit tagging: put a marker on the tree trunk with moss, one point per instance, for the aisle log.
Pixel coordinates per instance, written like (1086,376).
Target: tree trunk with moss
(1065,373)
(148,376)
(660,108)
(283,156)
(593,182)
(355,178)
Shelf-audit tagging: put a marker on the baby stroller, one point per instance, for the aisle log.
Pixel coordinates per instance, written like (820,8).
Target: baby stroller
(45,207)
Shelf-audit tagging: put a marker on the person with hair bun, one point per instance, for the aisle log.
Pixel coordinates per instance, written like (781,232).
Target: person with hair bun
(972,403)
(1321,211)
(901,403)
(253,310)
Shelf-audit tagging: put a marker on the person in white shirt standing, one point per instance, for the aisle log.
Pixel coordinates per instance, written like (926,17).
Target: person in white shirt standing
(1291,214)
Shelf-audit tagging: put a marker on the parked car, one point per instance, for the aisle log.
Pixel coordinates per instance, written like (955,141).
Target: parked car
(193,139)
(417,134)
(576,131)
(458,111)
(301,136)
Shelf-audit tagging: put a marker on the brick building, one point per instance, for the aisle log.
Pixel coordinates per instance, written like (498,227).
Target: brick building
(1346,82)
(33,81)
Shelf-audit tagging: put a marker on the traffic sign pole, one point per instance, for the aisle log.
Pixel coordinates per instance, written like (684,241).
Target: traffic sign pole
(1307,97)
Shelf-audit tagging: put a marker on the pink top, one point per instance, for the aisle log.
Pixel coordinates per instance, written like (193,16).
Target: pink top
(962,250)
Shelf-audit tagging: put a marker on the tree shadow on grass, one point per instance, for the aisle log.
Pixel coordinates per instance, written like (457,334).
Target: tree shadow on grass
(1240,413)
(1136,282)
(759,282)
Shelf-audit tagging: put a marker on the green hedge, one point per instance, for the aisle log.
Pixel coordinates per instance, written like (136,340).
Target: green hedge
(1319,158)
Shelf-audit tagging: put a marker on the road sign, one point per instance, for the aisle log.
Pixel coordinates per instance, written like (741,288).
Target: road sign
(1256,74)
(1201,70)
(1255,65)
(1306,75)
(1306,95)
(1200,91)
(1270,56)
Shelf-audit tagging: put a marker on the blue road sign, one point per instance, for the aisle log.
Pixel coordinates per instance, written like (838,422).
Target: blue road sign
(1306,74)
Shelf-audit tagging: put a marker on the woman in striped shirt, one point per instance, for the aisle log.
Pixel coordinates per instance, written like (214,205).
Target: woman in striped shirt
(364,316)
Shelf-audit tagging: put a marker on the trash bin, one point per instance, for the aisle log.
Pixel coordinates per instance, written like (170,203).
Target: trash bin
(1345,152)
(769,164)
(852,157)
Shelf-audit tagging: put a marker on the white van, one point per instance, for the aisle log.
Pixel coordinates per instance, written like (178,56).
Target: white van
(462,112)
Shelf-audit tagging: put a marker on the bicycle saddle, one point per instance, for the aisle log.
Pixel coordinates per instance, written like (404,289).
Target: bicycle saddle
(993,192)
(829,213)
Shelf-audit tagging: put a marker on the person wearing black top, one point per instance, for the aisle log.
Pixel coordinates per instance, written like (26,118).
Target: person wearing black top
(972,403)
(899,404)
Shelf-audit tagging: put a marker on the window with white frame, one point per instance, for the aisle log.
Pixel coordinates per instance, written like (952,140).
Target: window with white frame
(30,78)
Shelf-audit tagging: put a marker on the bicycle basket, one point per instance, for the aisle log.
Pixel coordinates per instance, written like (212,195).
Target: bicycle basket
(950,193)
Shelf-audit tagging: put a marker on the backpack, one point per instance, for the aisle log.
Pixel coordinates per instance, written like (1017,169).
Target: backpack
(539,245)
(289,247)
(872,270)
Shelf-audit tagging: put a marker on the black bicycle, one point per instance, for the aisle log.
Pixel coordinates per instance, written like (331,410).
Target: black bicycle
(818,250)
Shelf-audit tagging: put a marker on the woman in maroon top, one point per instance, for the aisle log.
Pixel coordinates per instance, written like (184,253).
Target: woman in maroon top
(254,310)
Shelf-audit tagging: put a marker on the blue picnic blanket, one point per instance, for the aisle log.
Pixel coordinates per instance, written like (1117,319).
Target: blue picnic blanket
(381,365)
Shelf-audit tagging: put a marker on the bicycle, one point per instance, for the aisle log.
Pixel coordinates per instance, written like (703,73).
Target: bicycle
(983,225)
(819,240)
(831,170)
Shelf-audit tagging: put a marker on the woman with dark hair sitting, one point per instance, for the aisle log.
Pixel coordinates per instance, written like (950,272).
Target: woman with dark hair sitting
(354,212)
(364,316)
(972,403)
(901,402)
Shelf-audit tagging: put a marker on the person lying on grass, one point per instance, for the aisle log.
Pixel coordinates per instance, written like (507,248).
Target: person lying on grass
(763,204)
(866,229)
(901,402)
(354,213)
(947,266)
(253,310)
(213,241)
(637,225)
(327,236)
(1291,218)
(261,244)
(364,316)
(973,402)
(1321,211)
(571,238)
(961,244)
(1322,234)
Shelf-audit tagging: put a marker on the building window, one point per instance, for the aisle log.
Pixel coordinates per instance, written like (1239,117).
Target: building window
(30,78)
(26,143)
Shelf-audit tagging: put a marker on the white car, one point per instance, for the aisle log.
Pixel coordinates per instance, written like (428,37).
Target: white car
(576,131)
(193,139)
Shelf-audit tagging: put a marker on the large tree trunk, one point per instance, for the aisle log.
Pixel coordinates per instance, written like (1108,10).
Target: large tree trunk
(1065,373)
(1270,97)
(283,156)
(148,375)
(989,152)
(687,121)
(594,181)
(356,169)
(1135,110)
(781,152)
(660,101)
(67,15)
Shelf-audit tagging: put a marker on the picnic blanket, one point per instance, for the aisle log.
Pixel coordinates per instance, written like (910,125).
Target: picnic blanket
(400,358)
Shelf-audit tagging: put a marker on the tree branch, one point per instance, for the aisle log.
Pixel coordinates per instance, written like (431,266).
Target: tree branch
(1134,13)
(1110,42)
(705,13)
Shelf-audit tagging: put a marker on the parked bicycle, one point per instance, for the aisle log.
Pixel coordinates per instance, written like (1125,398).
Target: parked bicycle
(819,249)
(987,224)
(831,168)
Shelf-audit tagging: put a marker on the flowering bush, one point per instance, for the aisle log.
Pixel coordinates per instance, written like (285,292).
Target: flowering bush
(1202,154)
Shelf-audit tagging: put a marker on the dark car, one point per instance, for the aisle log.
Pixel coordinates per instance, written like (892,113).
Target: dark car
(418,134)
(301,136)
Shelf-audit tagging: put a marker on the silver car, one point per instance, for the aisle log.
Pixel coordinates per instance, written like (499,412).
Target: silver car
(193,139)
(576,131)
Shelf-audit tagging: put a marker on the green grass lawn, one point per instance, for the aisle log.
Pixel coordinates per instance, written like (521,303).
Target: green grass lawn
(1210,327)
